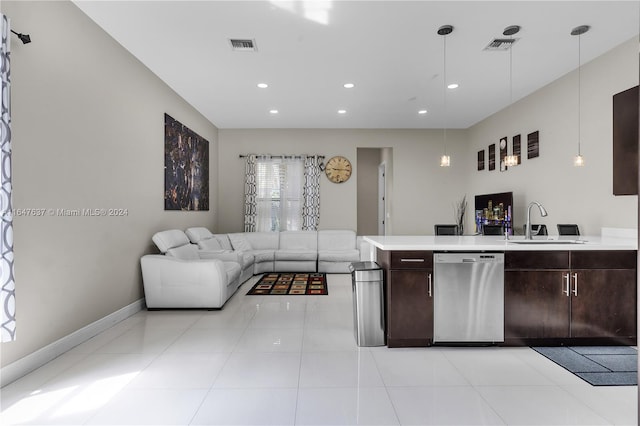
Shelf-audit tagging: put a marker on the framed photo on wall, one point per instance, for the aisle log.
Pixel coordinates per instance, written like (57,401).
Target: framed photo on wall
(503,154)
(492,156)
(533,145)
(517,150)
(481,159)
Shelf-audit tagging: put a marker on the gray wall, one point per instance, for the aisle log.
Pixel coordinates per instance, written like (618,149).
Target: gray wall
(582,195)
(87,133)
(423,192)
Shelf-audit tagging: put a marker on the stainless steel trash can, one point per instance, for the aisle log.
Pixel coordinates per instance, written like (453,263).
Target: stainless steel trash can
(368,303)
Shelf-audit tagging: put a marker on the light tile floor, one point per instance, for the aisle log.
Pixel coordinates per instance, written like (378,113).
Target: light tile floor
(283,360)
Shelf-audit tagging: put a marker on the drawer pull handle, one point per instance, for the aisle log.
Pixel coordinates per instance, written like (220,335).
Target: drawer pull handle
(429,279)
(411,260)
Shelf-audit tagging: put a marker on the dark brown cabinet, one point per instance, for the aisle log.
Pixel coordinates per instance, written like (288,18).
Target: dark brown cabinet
(409,297)
(570,297)
(603,294)
(625,142)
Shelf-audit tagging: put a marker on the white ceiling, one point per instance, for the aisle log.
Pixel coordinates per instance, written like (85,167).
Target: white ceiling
(391,50)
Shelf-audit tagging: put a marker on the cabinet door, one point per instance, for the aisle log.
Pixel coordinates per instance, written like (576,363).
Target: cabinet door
(605,303)
(536,304)
(410,308)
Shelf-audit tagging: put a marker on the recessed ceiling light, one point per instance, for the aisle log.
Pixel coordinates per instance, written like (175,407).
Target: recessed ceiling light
(263,85)
(273,111)
(342,111)
(349,85)
(422,111)
(453,86)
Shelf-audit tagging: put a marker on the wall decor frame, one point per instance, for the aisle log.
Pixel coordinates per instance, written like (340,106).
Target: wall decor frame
(186,168)
(492,156)
(481,160)
(533,145)
(503,154)
(516,148)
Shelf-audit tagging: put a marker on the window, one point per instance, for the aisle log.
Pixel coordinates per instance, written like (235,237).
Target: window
(279,194)
(282,192)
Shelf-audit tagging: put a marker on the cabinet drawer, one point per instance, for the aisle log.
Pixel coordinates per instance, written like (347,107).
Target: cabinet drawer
(516,260)
(611,259)
(411,259)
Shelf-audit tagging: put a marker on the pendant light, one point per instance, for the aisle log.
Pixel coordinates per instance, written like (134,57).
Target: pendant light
(578,161)
(511,160)
(445,159)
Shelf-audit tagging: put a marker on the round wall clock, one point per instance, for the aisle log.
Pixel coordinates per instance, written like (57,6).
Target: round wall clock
(338,169)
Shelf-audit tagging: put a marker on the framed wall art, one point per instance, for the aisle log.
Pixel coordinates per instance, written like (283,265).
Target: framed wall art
(517,150)
(492,156)
(533,145)
(503,154)
(186,168)
(481,159)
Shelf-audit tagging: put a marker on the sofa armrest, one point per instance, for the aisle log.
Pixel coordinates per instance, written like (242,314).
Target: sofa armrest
(173,282)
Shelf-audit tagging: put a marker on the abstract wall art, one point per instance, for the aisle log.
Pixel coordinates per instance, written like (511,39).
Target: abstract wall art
(186,168)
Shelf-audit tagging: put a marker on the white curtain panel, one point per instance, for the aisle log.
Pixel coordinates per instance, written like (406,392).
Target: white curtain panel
(8,293)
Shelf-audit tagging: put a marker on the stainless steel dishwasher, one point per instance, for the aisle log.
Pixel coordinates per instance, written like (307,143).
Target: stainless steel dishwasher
(468,297)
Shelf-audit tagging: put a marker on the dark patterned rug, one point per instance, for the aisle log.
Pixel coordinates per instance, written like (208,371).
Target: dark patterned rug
(597,365)
(291,283)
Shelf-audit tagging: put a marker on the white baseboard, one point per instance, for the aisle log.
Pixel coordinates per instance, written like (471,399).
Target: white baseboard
(27,364)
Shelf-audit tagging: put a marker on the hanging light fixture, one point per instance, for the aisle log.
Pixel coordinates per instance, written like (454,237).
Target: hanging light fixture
(511,160)
(578,161)
(445,159)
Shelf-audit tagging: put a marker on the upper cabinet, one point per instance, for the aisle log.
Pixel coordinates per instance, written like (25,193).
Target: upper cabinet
(625,142)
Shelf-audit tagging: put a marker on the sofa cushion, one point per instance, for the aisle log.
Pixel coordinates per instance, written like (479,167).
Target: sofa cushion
(198,234)
(296,255)
(186,252)
(263,256)
(210,244)
(166,240)
(240,242)
(223,240)
(263,240)
(299,240)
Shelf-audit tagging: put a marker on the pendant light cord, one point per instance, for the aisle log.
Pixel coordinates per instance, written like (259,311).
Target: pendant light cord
(579,89)
(444,89)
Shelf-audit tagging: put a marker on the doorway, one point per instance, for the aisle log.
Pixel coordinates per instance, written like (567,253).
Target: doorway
(373,172)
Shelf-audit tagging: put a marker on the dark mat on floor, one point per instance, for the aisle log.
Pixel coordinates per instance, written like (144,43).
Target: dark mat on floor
(291,283)
(597,365)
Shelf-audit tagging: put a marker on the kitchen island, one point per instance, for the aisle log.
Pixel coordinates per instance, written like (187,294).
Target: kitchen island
(574,290)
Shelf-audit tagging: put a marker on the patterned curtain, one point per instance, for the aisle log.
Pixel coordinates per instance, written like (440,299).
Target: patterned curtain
(250,211)
(7,293)
(299,208)
(311,194)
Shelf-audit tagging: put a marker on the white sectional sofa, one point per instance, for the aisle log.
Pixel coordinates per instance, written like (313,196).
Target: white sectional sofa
(203,270)
(328,251)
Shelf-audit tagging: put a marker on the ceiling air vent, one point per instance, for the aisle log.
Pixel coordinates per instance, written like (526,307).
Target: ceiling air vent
(243,45)
(501,44)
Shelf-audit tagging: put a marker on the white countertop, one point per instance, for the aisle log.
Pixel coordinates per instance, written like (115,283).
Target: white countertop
(498,243)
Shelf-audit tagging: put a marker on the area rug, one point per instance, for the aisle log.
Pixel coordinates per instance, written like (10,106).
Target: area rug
(292,283)
(597,365)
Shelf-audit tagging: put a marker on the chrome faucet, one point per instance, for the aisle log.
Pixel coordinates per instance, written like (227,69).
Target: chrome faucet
(543,213)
